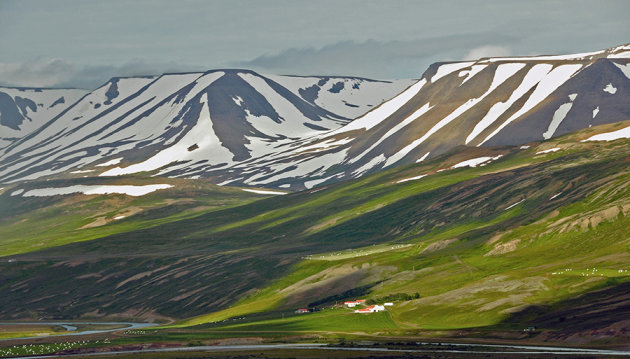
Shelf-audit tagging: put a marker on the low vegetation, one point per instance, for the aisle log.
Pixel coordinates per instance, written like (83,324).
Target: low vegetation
(458,248)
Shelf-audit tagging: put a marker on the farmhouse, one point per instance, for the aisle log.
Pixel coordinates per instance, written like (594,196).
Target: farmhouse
(371,309)
(302,310)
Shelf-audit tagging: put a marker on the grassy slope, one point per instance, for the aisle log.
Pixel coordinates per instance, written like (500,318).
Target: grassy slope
(464,286)
(34,223)
(258,252)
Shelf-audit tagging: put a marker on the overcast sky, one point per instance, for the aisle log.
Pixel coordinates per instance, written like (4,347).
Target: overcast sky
(82,43)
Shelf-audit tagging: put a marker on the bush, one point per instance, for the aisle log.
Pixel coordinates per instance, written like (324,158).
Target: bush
(395,297)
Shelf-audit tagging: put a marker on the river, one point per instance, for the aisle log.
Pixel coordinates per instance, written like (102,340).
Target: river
(492,350)
(71,328)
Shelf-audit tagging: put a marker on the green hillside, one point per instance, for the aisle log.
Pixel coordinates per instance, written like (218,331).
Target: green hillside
(34,223)
(482,246)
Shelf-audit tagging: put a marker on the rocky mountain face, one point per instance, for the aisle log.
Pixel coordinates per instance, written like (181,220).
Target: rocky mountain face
(23,110)
(194,120)
(489,102)
(245,129)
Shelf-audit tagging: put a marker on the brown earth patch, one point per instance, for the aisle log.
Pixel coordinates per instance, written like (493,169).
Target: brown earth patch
(436,246)
(503,248)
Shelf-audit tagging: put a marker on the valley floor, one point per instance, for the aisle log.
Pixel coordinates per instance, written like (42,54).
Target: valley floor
(290,345)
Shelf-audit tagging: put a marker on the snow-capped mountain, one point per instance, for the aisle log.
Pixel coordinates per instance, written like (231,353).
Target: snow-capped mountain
(242,128)
(489,102)
(206,121)
(23,110)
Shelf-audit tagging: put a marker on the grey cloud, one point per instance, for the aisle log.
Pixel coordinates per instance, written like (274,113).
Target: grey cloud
(391,59)
(372,59)
(62,73)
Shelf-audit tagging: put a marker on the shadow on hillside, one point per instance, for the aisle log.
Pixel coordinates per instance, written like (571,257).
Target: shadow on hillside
(602,312)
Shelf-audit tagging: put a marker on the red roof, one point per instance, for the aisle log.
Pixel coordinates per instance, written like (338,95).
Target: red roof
(354,301)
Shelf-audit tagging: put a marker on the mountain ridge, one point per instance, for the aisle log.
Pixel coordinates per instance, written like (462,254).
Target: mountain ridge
(485,102)
(180,87)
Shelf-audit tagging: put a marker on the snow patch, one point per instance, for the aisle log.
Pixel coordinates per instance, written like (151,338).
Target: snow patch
(237,100)
(620,55)
(202,134)
(610,89)
(514,205)
(475,69)
(96,189)
(558,117)
(81,171)
(411,179)
(479,161)
(449,68)
(548,151)
(549,83)
(555,195)
(119,217)
(411,118)
(373,162)
(262,191)
(291,118)
(382,112)
(324,145)
(595,111)
(502,73)
(546,58)
(611,136)
(423,157)
(532,77)
(624,68)
(19,191)
(524,147)
(313,183)
(227,182)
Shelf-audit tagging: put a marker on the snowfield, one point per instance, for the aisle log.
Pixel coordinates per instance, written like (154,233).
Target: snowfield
(479,161)
(94,189)
(548,151)
(411,179)
(385,110)
(178,123)
(544,87)
(263,191)
(611,136)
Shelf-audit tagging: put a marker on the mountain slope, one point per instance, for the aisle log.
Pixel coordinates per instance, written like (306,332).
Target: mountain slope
(241,128)
(23,110)
(471,223)
(210,120)
(489,102)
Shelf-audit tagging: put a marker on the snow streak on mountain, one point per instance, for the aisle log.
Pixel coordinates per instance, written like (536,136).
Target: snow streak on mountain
(193,123)
(241,128)
(24,110)
(489,102)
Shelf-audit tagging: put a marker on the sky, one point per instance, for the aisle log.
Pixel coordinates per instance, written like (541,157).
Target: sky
(83,43)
